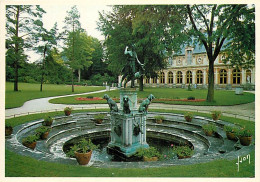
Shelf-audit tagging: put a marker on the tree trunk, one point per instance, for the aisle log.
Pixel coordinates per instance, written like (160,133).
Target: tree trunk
(210,96)
(72,81)
(16,61)
(43,66)
(79,73)
(141,83)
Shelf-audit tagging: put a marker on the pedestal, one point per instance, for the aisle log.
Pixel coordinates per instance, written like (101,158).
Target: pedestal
(128,131)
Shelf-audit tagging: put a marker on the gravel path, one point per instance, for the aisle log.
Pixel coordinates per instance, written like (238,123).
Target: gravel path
(243,111)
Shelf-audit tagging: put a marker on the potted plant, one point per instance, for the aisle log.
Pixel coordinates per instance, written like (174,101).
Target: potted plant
(159,119)
(231,132)
(43,132)
(245,136)
(47,121)
(30,141)
(8,129)
(188,116)
(67,111)
(148,154)
(183,151)
(209,129)
(99,118)
(215,115)
(83,151)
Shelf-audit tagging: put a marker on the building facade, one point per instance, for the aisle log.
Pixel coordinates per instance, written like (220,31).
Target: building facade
(190,67)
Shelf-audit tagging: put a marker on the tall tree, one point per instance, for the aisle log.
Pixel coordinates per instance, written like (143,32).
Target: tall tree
(46,40)
(79,51)
(23,22)
(144,26)
(71,28)
(233,23)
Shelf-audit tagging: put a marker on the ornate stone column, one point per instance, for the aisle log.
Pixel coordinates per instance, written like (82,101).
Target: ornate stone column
(229,76)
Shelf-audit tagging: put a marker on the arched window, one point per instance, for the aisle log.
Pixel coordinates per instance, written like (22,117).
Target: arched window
(248,76)
(162,77)
(236,76)
(154,80)
(179,77)
(223,77)
(189,77)
(147,80)
(199,75)
(170,77)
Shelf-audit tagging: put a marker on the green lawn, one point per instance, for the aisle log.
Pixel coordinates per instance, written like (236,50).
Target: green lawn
(29,91)
(222,97)
(21,166)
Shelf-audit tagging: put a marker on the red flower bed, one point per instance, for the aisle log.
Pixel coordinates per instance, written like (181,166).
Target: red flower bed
(99,98)
(184,100)
(84,98)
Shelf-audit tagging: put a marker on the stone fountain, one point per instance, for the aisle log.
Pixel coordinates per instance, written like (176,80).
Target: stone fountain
(128,123)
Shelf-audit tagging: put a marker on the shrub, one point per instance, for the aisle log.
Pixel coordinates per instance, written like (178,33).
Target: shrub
(148,152)
(159,117)
(215,115)
(183,151)
(30,139)
(41,130)
(99,117)
(90,97)
(83,146)
(231,129)
(47,121)
(191,98)
(245,133)
(209,127)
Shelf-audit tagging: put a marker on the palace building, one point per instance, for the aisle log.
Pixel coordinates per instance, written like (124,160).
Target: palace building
(191,67)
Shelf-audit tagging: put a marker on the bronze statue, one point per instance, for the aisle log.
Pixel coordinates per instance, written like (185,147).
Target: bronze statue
(112,104)
(129,70)
(145,104)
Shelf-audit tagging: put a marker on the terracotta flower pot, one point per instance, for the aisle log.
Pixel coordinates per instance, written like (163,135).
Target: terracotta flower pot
(208,133)
(67,113)
(83,158)
(98,121)
(30,145)
(231,136)
(47,123)
(159,121)
(150,159)
(187,118)
(183,157)
(215,117)
(44,135)
(245,140)
(8,131)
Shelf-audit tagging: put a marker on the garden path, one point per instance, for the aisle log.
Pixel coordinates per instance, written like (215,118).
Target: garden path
(243,111)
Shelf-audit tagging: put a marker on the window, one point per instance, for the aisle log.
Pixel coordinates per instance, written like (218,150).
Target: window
(223,77)
(199,75)
(248,76)
(189,56)
(154,80)
(162,77)
(236,76)
(147,80)
(179,77)
(189,77)
(170,77)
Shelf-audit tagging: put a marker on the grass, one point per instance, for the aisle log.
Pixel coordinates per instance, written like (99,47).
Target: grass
(29,91)
(222,97)
(15,164)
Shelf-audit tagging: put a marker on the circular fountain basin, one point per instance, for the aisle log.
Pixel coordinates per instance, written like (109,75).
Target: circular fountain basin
(66,130)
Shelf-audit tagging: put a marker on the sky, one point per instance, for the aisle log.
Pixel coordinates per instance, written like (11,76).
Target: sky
(88,17)
(56,13)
